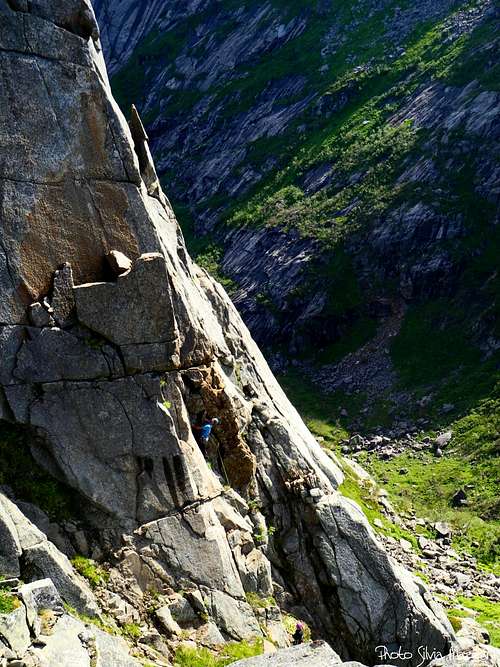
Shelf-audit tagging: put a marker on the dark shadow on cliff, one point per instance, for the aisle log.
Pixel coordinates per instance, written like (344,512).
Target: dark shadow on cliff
(28,481)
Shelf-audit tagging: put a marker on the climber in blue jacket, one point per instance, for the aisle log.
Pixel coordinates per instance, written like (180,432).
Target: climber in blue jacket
(202,430)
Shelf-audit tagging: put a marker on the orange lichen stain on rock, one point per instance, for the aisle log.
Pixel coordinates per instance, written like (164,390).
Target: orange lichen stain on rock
(112,202)
(239,462)
(65,226)
(93,131)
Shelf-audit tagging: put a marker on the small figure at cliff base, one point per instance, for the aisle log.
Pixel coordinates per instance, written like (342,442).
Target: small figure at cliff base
(298,635)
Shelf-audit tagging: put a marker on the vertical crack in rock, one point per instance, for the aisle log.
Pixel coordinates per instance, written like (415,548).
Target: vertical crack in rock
(49,98)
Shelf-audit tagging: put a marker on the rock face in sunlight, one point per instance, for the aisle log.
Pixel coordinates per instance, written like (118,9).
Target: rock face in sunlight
(107,362)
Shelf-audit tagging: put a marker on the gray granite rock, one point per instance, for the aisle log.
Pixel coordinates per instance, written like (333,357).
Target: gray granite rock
(10,549)
(146,164)
(40,559)
(118,262)
(65,357)
(234,618)
(64,645)
(314,654)
(137,309)
(76,16)
(364,587)
(193,537)
(14,631)
(112,651)
(40,316)
(71,643)
(38,596)
(166,621)
(63,300)
(11,339)
(183,612)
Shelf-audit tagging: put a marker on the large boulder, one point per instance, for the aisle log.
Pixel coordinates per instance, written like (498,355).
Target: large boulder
(364,574)
(233,617)
(113,391)
(72,643)
(136,310)
(10,550)
(38,597)
(314,654)
(14,631)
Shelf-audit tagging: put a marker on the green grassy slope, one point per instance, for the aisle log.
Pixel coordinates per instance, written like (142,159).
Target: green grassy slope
(362,76)
(361,140)
(472,461)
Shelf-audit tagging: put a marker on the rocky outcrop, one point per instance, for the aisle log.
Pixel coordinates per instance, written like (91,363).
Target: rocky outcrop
(39,632)
(25,551)
(108,369)
(268,266)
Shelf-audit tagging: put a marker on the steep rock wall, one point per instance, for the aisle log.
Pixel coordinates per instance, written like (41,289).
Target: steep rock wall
(108,368)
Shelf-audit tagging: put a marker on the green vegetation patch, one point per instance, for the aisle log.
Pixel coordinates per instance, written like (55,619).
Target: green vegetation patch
(8,601)
(329,416)
(428,348)
(103,622)
(357,140)
(365,150)
(210,259)
(436,355)
(477,59)
(238,650)
(487,613)
(257,602)
(368,148)
(131,630)
(471,462)
(93,573)
(472,458)
(231,652)
(353,337)
(478,433)
(364,493)
(484,611)
(318,410)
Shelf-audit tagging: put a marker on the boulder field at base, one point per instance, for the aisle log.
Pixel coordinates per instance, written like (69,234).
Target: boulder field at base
(103,371)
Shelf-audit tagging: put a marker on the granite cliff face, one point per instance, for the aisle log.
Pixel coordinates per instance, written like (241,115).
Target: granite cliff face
(111,342)
(342,157)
